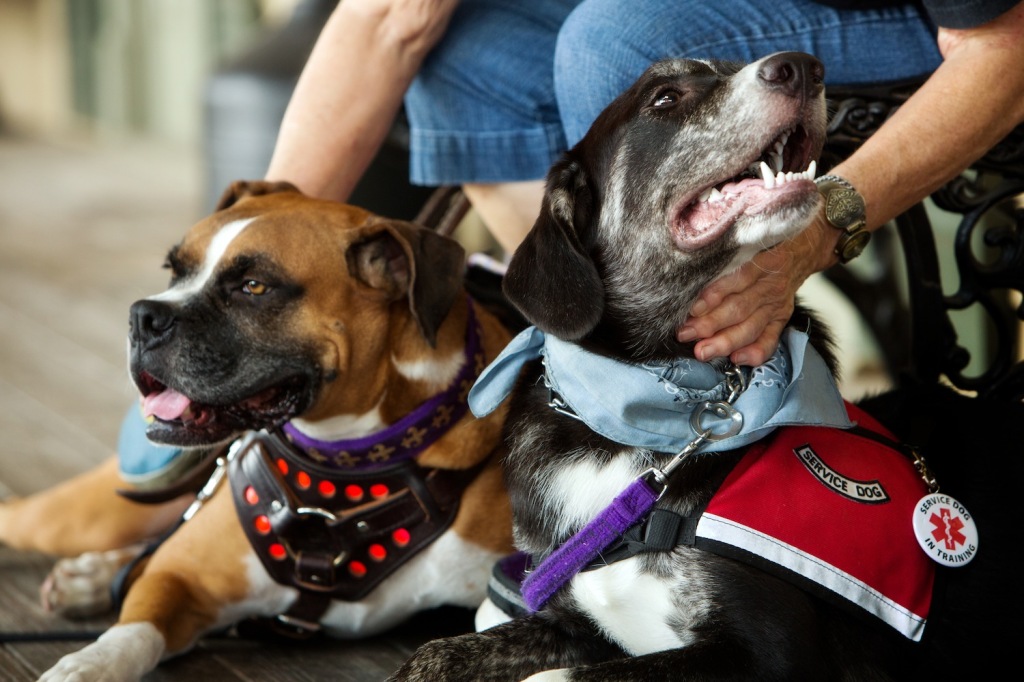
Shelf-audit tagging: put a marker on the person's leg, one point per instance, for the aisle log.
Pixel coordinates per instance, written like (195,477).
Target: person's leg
(482,110)
(605,45)
(509,209)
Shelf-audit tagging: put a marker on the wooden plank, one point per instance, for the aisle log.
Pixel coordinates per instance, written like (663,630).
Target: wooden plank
(42,446)
(221,658)
(22,617)
(367,660)
(12,669)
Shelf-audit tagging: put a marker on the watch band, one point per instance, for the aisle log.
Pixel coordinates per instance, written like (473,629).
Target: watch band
(844,210)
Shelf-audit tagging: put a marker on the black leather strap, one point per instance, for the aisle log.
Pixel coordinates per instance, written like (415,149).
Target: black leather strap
(338,546)
(661,531)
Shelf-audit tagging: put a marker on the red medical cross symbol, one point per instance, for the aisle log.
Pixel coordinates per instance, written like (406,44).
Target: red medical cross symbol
(947,528)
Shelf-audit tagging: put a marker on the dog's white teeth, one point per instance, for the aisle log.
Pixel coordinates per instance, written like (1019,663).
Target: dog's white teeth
(772,180)
(710,195)
(776,159)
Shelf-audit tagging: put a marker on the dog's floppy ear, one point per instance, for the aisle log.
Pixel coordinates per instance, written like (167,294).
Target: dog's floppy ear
(240,189)
(551,278)
(403,259)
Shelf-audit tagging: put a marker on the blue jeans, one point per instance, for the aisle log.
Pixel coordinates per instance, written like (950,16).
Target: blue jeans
(514,83)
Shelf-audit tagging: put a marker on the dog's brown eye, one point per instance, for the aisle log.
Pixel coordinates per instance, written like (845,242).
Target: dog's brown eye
(254,288)
(665,98)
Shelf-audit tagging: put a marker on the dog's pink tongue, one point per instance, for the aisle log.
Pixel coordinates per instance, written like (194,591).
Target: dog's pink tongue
(166,405)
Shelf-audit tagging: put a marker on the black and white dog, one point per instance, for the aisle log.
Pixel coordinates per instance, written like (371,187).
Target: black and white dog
(659,496)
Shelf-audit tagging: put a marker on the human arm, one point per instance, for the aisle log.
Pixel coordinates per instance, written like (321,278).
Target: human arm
(351,89)
(970,103)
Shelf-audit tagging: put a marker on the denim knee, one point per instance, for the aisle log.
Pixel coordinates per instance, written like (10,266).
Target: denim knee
(604,45)
(482,108)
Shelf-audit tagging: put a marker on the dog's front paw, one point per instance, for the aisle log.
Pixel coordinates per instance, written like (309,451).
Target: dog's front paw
(560,675)
(496,656)
(124,653)
(433,661)
(71,669)
(452,659)
(79,587)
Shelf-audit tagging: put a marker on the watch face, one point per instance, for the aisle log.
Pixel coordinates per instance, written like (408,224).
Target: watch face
(854,244)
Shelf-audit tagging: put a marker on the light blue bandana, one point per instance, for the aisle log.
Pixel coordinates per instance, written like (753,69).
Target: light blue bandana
(649,406)
(147,465)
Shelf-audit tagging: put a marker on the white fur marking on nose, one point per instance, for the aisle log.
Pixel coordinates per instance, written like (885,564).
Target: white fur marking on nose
(214,252)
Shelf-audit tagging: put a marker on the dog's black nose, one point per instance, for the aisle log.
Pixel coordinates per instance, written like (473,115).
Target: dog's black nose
(793,73)
(150,323)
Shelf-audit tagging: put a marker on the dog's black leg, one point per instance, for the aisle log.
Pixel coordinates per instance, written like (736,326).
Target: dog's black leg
(512,651)
(700,661)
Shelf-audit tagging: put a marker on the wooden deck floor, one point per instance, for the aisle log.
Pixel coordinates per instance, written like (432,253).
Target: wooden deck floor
(83,233)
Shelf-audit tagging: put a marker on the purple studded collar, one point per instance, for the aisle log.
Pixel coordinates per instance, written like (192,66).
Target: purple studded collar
(410,435)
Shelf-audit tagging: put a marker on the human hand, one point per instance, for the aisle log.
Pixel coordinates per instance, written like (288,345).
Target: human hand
(743,314)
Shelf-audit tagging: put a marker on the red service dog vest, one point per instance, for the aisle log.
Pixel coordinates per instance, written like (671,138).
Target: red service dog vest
(832,507)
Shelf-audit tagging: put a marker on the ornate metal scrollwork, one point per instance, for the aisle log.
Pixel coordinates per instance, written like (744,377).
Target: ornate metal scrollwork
(856,113)
(988,252)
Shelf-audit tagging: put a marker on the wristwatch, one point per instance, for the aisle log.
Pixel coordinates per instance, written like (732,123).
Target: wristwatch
(844,210)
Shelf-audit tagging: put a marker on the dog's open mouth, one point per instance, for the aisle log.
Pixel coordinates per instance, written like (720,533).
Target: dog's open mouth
(175,419)
(782,175)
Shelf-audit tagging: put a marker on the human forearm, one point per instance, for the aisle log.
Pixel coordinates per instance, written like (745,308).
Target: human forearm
(970,103)
(351,89)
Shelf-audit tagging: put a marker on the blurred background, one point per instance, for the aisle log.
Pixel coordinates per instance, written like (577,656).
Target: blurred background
(203,78)
(122,72)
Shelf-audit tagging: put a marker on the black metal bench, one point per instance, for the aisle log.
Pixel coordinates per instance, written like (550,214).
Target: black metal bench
(915,328)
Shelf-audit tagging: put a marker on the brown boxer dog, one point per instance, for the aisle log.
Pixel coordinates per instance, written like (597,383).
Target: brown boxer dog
(327,352)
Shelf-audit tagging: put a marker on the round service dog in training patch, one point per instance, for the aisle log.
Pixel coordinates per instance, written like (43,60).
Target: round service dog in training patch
(945,530)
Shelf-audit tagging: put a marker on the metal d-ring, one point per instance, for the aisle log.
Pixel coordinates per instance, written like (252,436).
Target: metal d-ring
(326,515)
(721,410)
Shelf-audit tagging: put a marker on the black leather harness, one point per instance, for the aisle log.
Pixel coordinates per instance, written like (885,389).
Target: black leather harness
(336,534)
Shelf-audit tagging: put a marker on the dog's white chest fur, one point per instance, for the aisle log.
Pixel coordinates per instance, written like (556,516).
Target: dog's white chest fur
(633,608)
(640,611)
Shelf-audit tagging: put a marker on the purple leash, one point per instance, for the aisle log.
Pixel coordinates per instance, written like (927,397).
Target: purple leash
(630,506)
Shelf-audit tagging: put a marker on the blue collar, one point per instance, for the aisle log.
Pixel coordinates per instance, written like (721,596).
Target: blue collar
(649,405)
